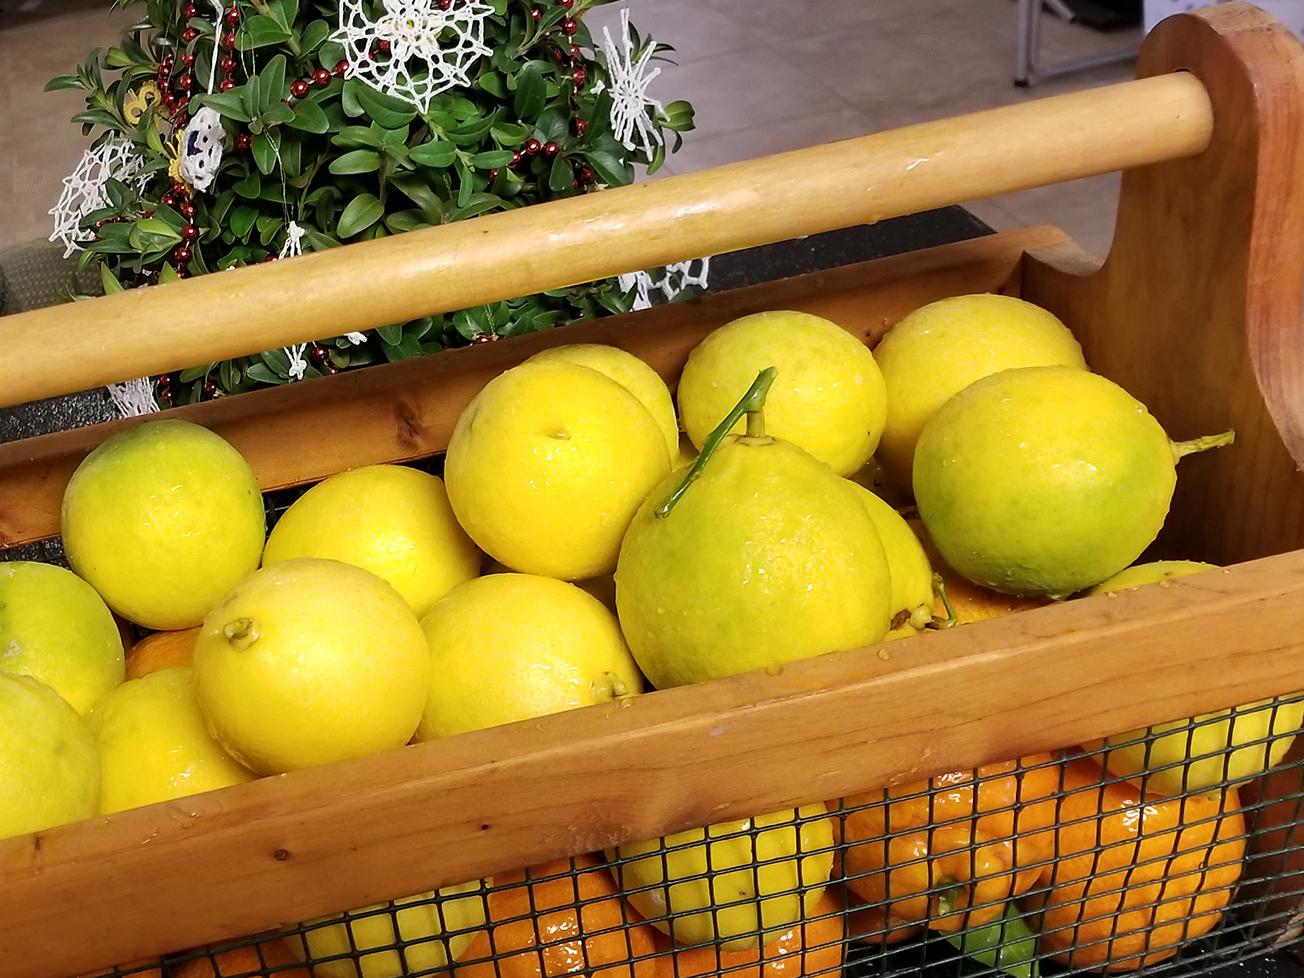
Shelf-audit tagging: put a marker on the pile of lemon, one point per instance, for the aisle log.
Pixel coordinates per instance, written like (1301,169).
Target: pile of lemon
(577,549)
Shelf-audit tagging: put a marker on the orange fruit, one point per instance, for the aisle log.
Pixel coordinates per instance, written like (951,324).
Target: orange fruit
(161,650)
(812,949)
(252,961)
(560,923)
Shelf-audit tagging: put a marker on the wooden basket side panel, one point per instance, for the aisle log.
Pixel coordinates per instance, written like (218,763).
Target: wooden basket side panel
(1197,309)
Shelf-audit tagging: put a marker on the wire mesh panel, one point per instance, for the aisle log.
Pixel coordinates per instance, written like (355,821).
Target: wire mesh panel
(1160,851)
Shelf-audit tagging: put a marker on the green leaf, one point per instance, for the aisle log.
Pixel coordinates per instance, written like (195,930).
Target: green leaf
(168,273)
(479,203)
(356,161)
(531,90)
(273,87)
(405,349)
(309,117)
(390,334)
(318,241)
(170,217)
(251,186)
(417,190)
(313,37)
(409,220)
(609,168)
(229,104)
(277,114)
(494,84)
(331,53)
(158,226)
(361,213)
(349,99)
(291,154)
(259,31)
(242,219)
(560,176)
(438,154)
(351,137)
(96,117)
(552,126)
(252,95)
(263,374)
(510,133)
(491,159)
(465,183)
(59,82)
(1006,944)
(394,137)
(264,153)
(269,226)
(679,116)
(109,281)
(386,111)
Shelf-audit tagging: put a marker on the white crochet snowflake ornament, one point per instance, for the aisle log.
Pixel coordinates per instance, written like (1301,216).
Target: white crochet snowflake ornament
(293,247)
(676,279)
(628,85)
(432,45)
(83,189)
(133,398)
(201,148)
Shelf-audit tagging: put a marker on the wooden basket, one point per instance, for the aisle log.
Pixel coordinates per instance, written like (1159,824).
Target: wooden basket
(1196,311)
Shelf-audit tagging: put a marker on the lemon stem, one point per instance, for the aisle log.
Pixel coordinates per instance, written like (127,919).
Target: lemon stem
(951,619)
(751,404)
(1181,449)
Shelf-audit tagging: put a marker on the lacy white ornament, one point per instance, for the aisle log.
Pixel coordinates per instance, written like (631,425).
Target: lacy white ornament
(676,279)
(133,398)
(357,339)
(629,81)
(431,49)
(83,189)
(294,246)
(201,148)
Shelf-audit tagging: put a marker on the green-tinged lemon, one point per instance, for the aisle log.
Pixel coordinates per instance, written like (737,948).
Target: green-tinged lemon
(154,744)
(388,519)
(49,767)
(1045,480)
(1205,752)
(547,465)
(940,349)
(828,397)
(431,931)
(513,646)
(311,661)
(55,628)
(630,373)
(732,881)
(756,556)
(912,576)
(162,520)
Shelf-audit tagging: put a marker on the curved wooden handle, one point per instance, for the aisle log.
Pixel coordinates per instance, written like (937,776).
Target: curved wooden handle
(375,283)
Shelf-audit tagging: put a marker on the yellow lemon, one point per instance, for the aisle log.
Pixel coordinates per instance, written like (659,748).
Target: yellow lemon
(162,520)
(760,557)
(734,881)
(49,768)
(55,628)
(365,944)
(311,661)
(912,575)
(154,745)
(512,646)
(943,347)
(630,373)
(1045,480)
(828,397)
(547,465)
(388,519)
(1204,752)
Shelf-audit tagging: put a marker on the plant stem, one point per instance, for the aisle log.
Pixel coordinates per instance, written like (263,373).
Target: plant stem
(751,404)
(1181,449)
(951,619)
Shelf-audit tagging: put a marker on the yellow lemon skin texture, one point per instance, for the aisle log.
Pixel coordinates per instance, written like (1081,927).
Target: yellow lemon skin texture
(311,661)
(510,647)
(547,465)
(1043,480)
(761,876)
(941,348)
(630,373)
(827,398)
(912,575)
(162,520)
(768,558)
(154,744)
(388,519)
(55,628)
(49,767)
(1203,753)
(428,932)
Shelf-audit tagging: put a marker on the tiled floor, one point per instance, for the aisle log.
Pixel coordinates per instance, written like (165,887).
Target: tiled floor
(765,76)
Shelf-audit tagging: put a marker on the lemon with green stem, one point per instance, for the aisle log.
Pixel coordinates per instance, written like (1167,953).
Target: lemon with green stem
(1208,751)
(1045,480)
(912,576)
(756,555)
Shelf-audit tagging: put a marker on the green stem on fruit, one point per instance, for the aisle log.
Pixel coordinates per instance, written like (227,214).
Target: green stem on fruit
(1181,449)
(751,404)
(241,633)
(951,619)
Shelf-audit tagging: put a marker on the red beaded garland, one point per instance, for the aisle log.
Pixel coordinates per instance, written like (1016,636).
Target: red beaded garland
(167,200)
(575,51)
(532,146)
(551,149)
(587,175)
(579,126)
(569,25)
(187,209)
(383,46)
(299,88)
(341,68)
(190,11)
(189,232)
(243,140)
(186,81)
(225,85)
(536,13)
(210,388)
(233,16)
(183,103)
(189,34)
(187,58)
(321,77)
(228,40)
(182,254)
(516,159)
(227,63)
(580,75)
